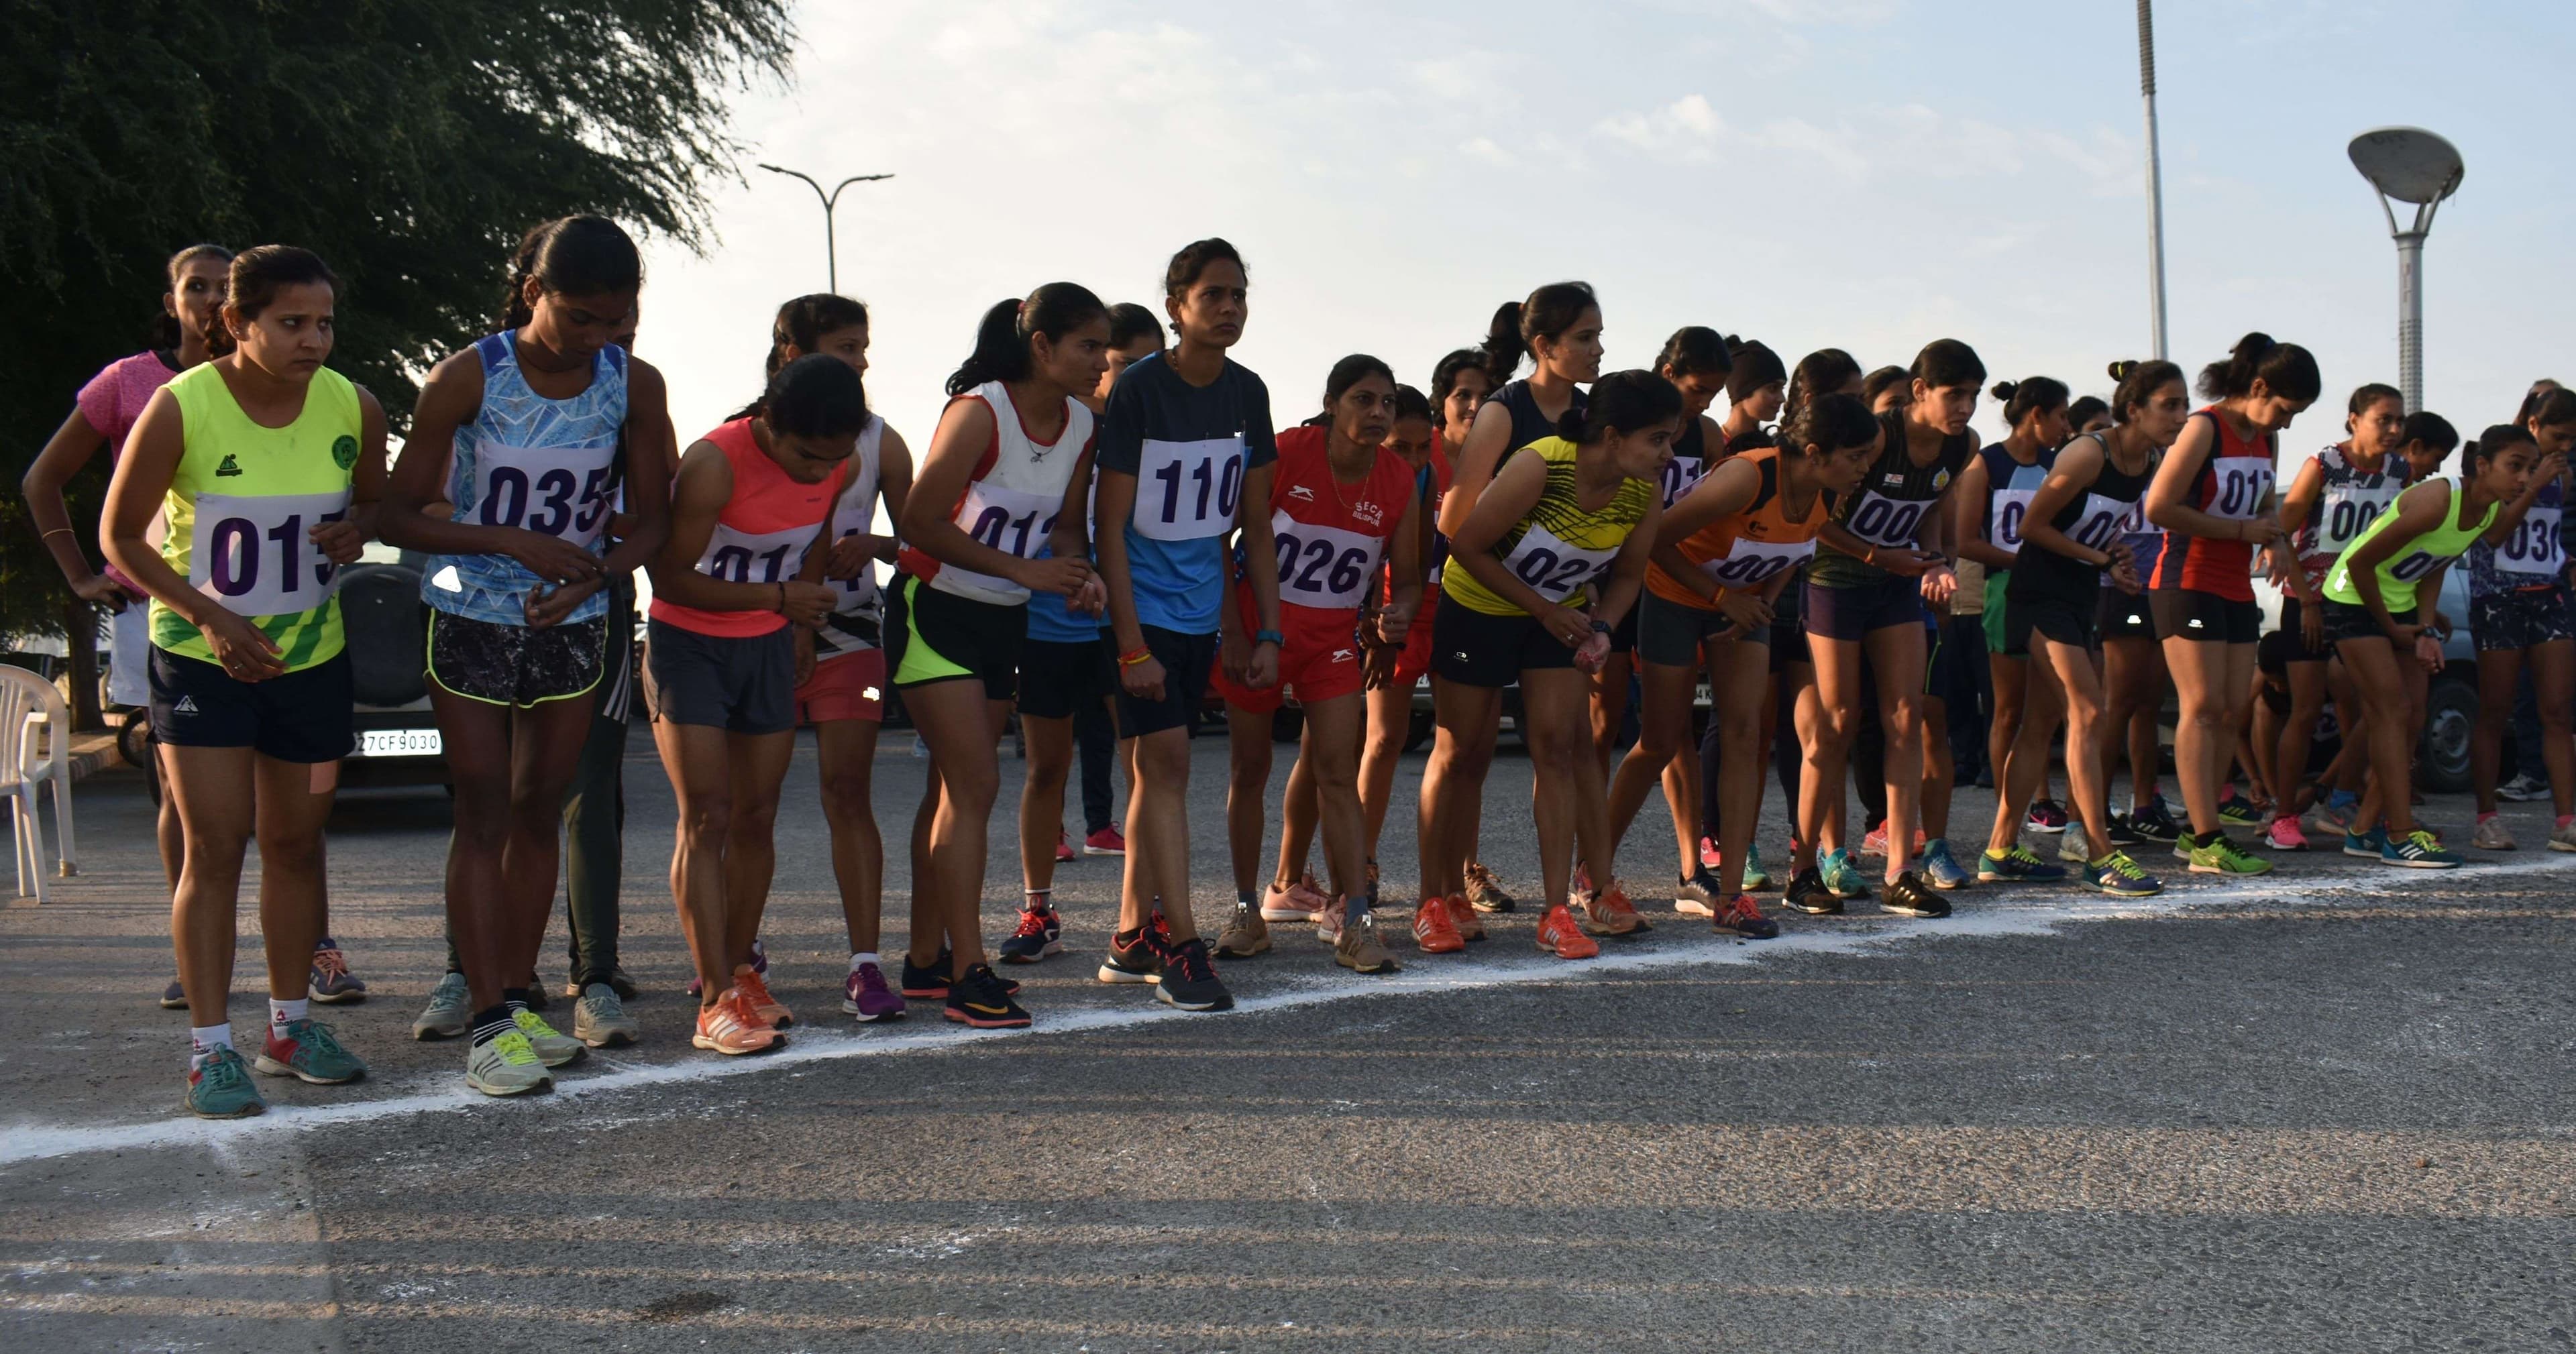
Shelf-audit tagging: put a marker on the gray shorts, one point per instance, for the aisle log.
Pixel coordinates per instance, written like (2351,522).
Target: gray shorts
(742,685)
(1671,633)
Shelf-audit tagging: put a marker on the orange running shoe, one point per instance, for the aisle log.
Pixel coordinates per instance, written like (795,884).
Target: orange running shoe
(1433,931)
(731,1027)
(755,994)
(1609,913)
(1463,918)
(1558,935)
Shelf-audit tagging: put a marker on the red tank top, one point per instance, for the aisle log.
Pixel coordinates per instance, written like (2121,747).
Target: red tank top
(1331,537)
(760,536)
(2234,484)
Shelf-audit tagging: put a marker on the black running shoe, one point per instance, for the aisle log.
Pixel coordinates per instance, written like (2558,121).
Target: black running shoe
(979,1000)
(2155,822)
(1912,895)
(2122,832)
(1808,894)
(1041,934)
(1134,957)
(1189,980)
(931,984)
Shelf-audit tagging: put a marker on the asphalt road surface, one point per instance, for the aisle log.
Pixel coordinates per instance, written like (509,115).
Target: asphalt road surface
(2330,1109)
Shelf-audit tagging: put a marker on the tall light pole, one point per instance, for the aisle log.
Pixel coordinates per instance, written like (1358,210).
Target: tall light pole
(2155,177)
(2413,166)
(831,260)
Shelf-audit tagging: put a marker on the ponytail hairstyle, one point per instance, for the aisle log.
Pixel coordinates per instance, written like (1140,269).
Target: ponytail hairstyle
(1129,322)
(1884,379)
(816,396)
(1829,422)
(2030,395)
(2085,409)
(1193,260)
(1695,350)
(164,332)
(257,275)
(801,325)
(2436,432)
(1825,369)
(2365,396)
(2285,369)
(1412,403)
(1623,401)
(2547,408)
(2139,382)
(1755,366)
(1444,375)
(1350,371)
(1948,362)
(1517,326)
(571,256)
(2491,443)
(1002,339)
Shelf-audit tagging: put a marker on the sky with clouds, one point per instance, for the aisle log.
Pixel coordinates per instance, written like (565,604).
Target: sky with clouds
(1869,174)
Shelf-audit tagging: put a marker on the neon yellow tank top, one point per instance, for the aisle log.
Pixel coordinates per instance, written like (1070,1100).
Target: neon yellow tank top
(2399,573)
(241,505)
(1559,549)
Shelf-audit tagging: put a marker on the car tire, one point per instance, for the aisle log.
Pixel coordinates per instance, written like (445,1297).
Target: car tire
(2450,717)
(1417,730)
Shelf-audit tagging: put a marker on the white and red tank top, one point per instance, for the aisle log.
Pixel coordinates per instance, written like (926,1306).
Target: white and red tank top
(1012,500)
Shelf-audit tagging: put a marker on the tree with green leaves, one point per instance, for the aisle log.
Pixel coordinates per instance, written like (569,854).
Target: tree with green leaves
(409,142)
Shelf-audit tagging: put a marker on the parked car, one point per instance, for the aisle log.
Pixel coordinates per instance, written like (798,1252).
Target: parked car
(397,738)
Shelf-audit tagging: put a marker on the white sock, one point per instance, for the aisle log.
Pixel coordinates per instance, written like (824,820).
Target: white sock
(868,957)
(205,1039)
(280,1012)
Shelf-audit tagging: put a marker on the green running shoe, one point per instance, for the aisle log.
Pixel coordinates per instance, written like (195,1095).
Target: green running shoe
(1841,876)
(505,1066)
(2222,856)
(552,1049)
(306,1050)
(219,1088)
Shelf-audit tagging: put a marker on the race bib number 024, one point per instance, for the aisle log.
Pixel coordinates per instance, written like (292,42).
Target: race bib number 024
(1552,568)
(255,556)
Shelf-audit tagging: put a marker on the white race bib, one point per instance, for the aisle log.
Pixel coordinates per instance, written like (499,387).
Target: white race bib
(253,555)
(745,557)
(2243,483)
(1552,568)
(2004,514)
(2533,547)
(1187,491)
(1750,564)
(1681,475)
(2348,511)
(1013,521)
(859,590)
(1322,566)
(2101,522)
(553,491)
(1891,522)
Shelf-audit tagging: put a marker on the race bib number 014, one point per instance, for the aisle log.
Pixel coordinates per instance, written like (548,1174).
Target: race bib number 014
(748,557)
(255,556)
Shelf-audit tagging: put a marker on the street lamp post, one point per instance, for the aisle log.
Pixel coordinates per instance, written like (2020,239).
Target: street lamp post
(831,260)
(2413,166)
(2155,178)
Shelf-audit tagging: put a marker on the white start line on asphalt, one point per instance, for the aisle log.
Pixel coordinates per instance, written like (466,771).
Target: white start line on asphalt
(2011,918)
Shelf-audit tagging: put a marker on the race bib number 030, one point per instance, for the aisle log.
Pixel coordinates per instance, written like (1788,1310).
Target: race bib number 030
(1187,491)
(1552,568)
(553,491)
(2533,546)
(255,556)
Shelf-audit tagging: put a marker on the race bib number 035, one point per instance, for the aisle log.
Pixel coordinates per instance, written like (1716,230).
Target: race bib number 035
(255,557)
(553,491)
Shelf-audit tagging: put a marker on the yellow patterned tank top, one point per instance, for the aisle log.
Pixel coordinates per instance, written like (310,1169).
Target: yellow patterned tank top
(242,506)
(1559,549)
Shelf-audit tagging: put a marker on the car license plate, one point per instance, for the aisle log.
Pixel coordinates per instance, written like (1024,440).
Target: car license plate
(399,743)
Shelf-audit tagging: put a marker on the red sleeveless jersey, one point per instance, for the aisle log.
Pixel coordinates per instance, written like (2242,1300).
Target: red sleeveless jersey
(1331,537)
(2234,484)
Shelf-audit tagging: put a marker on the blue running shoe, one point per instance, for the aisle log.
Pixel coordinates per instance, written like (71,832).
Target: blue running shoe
(305,1049)
(1940,868)
(1842,878)
(2367,845)
(2120,877)
(2418,850)
(219,1088)
(2021,865)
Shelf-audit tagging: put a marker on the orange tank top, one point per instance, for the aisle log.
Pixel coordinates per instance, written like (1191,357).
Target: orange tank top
(1747,549)
(760,536)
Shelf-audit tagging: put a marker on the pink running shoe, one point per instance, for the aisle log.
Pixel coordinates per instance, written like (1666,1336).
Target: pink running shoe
(2284,834)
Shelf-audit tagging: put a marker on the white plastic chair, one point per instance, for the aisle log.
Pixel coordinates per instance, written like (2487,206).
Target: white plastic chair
(35,750)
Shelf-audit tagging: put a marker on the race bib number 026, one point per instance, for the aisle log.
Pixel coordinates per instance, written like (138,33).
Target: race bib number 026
(255,556)
(1322,566)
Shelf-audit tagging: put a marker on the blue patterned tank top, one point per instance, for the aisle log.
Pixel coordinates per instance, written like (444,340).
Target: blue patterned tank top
(527,461)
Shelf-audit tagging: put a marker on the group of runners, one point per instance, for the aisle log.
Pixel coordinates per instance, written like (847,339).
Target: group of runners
(1107,525)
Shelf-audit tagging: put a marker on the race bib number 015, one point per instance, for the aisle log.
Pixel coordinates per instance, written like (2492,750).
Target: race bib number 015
(2102,521)
(552,491)
(1552,568)
(1187,491)
(255,556)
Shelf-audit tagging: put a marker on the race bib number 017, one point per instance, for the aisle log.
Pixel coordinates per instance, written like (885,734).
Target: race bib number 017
(2240,485)
(255,556)
(1187,491)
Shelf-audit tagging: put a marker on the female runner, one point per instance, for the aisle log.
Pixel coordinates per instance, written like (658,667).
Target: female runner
(1538,576)
(1559,326)
(264,468)
(2518,615)
(2070,544)
(1994,497)
(997,514)
(2213,497)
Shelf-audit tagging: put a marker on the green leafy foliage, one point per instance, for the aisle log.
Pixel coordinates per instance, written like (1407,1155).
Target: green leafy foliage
(409,142)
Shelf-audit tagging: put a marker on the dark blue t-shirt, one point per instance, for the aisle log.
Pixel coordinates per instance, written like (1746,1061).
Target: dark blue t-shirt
(1188,447)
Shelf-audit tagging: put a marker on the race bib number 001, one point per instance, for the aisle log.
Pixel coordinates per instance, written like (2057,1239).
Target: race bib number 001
(1552,568)
(255,556)
(1322,566)
(1750,564)
(1187,491)
(2348,512)
(552,491)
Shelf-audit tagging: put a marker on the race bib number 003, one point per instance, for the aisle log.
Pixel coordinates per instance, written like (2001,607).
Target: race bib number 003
(255,556)
(1187,491)
(1552,568)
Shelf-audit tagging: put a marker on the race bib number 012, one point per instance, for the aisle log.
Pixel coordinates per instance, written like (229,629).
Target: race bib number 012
(1013,521)
(255,556)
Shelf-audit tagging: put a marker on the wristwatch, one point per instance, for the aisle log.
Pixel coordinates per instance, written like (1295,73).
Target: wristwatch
(1271,637)
(1600,626)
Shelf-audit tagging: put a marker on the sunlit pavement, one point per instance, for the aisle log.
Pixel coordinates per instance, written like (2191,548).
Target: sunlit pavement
(2326,1109)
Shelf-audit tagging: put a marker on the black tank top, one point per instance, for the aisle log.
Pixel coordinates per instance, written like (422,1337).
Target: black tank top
(2093,521)
(1528,424)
